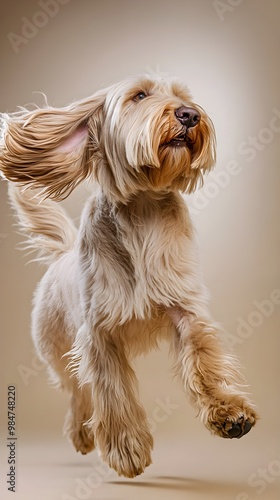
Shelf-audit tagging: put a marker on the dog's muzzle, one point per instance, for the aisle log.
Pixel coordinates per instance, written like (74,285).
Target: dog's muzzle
(189,118)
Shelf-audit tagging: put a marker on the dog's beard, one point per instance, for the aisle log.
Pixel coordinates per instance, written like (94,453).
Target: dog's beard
(174,166)
(183,155)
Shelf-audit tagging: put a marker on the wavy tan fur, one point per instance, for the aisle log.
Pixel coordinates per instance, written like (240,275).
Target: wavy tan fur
(130,275)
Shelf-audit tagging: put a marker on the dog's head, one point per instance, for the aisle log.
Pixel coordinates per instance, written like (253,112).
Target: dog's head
(140,134)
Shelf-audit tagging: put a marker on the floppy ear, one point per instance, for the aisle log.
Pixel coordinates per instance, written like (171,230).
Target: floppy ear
(51,148)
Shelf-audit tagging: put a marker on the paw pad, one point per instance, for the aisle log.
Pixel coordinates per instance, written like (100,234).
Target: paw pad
(239,429)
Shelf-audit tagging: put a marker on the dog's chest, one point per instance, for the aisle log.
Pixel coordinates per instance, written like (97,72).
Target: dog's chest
(139,259)
(163,256)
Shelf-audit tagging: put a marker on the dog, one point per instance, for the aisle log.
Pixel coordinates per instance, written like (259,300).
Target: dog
(130,275)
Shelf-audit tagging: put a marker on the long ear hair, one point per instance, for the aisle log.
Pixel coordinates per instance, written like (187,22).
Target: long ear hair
(51,148)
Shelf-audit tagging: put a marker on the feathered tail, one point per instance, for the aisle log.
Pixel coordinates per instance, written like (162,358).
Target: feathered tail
(50,231)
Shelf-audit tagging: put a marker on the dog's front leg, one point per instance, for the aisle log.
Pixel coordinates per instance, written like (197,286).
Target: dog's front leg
(210,375)
(119,421)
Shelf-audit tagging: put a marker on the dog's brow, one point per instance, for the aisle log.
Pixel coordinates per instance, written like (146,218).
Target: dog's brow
(180,91)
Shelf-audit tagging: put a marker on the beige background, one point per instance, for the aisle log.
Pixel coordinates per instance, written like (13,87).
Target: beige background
(228,54)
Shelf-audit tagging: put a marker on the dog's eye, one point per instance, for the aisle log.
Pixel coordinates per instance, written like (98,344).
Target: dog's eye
(140,96)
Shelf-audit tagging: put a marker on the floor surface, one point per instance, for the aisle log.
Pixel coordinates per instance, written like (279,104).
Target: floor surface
(198,469)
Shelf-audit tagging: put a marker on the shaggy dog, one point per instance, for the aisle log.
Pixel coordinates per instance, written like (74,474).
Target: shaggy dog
(130,275)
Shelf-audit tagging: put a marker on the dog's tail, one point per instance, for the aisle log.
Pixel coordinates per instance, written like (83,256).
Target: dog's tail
(49,230)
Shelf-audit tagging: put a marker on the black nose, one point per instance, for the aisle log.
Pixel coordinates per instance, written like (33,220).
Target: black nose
(187,116)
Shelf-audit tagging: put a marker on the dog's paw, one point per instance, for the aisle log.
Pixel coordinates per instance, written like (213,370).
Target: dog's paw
(128,460)
(83,439)
(129,453)
(239,428)
(231,419)
(81,435)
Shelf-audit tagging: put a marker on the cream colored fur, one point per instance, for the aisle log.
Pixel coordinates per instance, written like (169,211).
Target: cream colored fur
(130,275)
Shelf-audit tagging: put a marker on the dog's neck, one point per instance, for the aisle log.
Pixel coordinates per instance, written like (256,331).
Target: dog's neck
(145,202)
(153,206)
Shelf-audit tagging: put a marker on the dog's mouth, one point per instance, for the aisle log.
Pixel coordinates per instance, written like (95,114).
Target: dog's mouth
(178,142)
(182,140)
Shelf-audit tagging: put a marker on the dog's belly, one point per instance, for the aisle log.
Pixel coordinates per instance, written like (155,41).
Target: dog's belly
(140,336)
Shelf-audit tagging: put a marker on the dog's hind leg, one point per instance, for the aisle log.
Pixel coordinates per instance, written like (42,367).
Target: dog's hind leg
(76,426)
(53,337)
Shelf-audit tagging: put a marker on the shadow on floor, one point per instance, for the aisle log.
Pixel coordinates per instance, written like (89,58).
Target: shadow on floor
(183,484)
